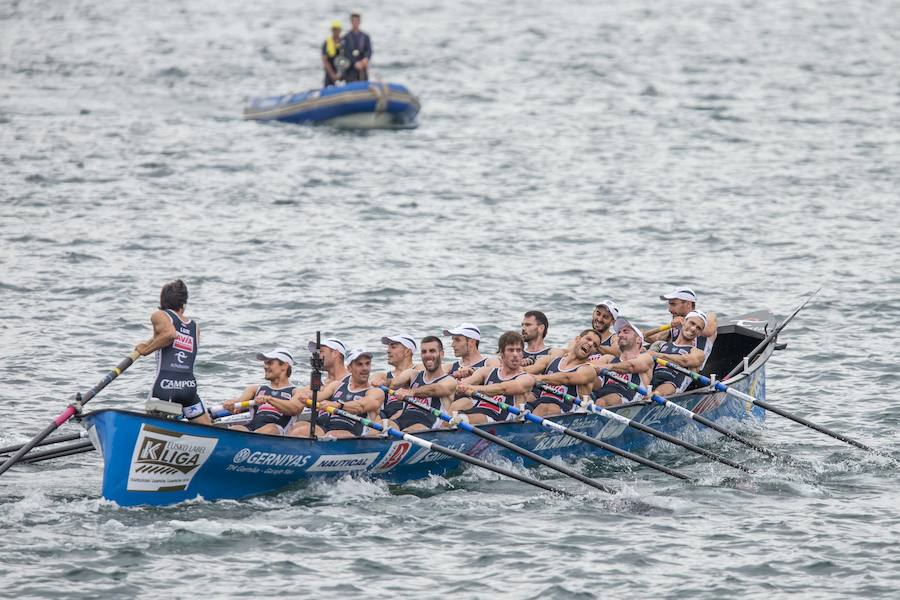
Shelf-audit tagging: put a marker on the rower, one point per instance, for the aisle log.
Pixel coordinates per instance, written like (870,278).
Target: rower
(175,341)
(431,387)
(534,329)
(605,314)
(465,341)
(400,351)
(353,394)
(680,301)
(571,374)
(333,352)
(632,365)
(506,382)
(273,409)
(683,352)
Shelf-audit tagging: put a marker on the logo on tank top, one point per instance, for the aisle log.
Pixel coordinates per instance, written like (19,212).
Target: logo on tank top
(184,342)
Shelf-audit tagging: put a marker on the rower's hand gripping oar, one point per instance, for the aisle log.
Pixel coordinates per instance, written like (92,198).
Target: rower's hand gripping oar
(529,416)
(219,410)
(695,417)
(468,427)
(315,383)
(721,387)
(603,412)
(71,410)
(435,447)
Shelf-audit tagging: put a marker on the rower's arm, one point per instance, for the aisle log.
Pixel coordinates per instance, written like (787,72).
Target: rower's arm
(478,376)
(583,375)
(248,394)
(163,334)
(513,387)
(298,399)
(371,402)
(539,365)
(402,379)
(642,363)
(444,387)
(692,360)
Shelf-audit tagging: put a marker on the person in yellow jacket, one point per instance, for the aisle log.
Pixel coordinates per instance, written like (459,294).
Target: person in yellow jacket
(333,58)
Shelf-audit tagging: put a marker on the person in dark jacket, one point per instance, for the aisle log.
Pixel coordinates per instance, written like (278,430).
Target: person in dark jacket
(358,48)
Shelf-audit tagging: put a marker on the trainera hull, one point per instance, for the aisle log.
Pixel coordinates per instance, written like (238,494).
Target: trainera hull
(148,460)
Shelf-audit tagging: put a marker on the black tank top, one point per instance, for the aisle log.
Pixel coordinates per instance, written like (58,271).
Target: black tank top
(428,401)
(457,366)
(534,355)
(554,367)
(617,383)
(179,357)
(284,393)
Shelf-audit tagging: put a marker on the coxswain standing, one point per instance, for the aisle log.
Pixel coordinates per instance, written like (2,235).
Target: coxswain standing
(273,409)
(632,365)
(353,394)
(534,329)
(571,374)
(176,341)
(465,340)
(506,382)
(430,387)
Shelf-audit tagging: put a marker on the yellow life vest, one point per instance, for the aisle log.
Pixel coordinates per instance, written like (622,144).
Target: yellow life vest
(330,47)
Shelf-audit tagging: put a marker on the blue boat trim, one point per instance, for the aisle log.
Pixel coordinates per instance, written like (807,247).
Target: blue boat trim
(150,460)
(320,106)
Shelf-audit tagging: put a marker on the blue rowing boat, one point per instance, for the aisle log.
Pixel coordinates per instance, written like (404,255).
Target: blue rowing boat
(153,460)
(358,105)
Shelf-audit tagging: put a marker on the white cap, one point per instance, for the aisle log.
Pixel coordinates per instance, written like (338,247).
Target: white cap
(622,322)
(281,354)
(357,353)
(699,314)
(333,343)
(680,294)
(611,307)
(465,330)
(401,338)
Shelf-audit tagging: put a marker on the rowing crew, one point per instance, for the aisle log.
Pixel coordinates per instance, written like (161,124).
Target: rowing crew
(604,363)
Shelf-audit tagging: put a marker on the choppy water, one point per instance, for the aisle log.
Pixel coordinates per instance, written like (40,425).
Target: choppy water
(566,153)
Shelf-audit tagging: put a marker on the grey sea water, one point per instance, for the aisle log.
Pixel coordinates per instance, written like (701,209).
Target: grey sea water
(567,152)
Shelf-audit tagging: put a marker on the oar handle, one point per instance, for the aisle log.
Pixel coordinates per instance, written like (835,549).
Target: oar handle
(219,410)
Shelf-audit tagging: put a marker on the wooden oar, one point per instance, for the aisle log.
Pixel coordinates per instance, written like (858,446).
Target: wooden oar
(465,426)
(718,385)
(69,412)
(641,427)
(768,339)
(437,448)
(67,450)
(695,417)
(53,440)
(529,416)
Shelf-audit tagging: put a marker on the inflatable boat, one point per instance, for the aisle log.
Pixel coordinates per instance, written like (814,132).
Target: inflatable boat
(362,104)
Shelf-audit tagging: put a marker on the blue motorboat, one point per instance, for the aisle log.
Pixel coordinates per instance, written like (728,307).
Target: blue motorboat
(358,105)
(153,460)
